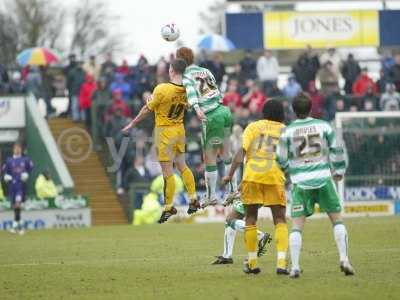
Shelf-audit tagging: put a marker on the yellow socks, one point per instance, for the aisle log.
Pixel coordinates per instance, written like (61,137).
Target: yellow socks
(250,239)
(169,191)
(282,243)
(188,181)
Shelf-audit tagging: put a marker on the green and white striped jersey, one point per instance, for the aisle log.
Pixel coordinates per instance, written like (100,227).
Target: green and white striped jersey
(201,88)
(309,152)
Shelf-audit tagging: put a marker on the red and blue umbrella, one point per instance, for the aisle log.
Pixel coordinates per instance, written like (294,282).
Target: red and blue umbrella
(37,57)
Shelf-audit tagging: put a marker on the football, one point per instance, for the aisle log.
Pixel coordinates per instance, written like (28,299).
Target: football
(170,32)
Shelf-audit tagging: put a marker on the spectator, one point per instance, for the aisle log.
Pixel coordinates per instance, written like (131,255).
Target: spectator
(108,69)
(312,60)
(120,84)
(317,101)
(328,78)
(76,77)
(390,100)
(387,62)
(362,84)
(275,91)
(370,97)
(144,80)
(142,62)
(292,88)
(101,100)
(267,70)
(34,82)
(353,108)
(217,67)
(340,105)
(368,105)
(243,117)
(92,67)
(350,71)
(117,105)
(304,70)
(47,89)
(161,70)
(136,173)
(149,212)
(394,72)
(232,98)
(44,186)
(239,77)
(335,102)
(16,84)
(102,96)
(85,99)
(114,126)
(123,68)
(4,79)
(254,99)
(332,56)
(69,82)
(382,82)
(248,66)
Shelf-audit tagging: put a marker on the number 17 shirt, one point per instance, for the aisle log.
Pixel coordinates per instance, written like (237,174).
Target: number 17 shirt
(168,103)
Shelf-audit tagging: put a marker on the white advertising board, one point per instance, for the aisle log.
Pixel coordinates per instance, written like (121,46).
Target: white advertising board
(12,112)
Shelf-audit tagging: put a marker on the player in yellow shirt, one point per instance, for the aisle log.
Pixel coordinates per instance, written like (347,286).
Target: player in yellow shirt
(168,104)
(263,183)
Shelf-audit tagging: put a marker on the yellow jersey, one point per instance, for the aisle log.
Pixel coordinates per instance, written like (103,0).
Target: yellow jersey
(260,139)
(168,103)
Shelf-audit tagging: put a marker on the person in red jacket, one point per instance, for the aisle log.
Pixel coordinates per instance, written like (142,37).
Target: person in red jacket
(317,101)
(254,99)
(232,98)
(363,82)
(117,104)
(85,98)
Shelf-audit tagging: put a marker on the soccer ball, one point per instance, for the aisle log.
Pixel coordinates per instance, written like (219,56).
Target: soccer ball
(170,32)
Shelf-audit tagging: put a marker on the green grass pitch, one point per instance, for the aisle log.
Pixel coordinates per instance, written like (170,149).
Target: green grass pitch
(172,261)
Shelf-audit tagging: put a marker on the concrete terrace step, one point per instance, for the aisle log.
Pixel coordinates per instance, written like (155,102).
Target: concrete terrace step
(89,174)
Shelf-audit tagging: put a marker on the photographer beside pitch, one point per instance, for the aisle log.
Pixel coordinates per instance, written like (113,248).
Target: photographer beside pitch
(309,153)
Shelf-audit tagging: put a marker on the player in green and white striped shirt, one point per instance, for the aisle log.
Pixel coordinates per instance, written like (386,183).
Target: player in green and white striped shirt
(309,152)
(217,121)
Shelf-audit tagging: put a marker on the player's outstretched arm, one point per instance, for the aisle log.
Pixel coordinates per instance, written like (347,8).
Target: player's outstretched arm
(236,162)
(142,115)
(337,155)
(282,154)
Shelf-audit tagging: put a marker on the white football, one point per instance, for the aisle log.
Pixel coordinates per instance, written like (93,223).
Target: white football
(170,32)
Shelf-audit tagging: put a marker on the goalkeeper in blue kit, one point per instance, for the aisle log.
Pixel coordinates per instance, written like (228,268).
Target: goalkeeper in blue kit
(310,154)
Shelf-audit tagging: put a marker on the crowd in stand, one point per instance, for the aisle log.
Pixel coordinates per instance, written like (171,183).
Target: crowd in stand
(116,93)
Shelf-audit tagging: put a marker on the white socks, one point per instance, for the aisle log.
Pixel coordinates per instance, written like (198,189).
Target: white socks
(230,234)
(341,238)
(295,248)
(229,241)
(340,234)
(211,184)
(240,225)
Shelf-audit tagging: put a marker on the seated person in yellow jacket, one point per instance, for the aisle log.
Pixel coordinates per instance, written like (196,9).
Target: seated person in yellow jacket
(45,187)
(2,198)
(150,211)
